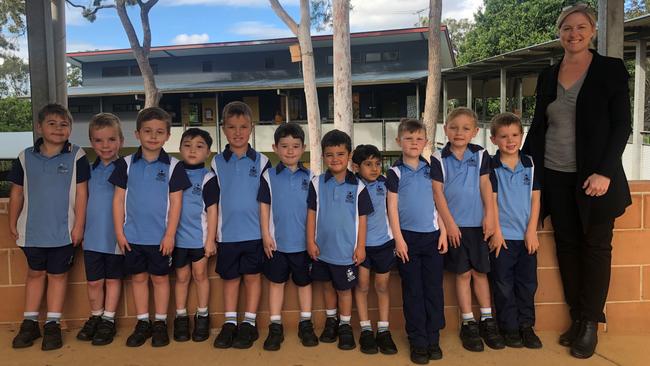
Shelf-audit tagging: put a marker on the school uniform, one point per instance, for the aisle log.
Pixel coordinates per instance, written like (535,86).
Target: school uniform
(422,295)
(380,246)
(47,218)
(287,223)
(461,179)
(148,185)
(240,249)
(338,206)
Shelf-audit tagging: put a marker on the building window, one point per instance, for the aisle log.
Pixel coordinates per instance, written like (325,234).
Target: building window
(206,66)
(269,63)
(390,56)
(330,60)
(115,71)
(194,114)
(355,57)
(88,108)
(373,57)
(135,70)
(126,107)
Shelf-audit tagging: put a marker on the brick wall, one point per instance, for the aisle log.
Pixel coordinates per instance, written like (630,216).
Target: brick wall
(627,307)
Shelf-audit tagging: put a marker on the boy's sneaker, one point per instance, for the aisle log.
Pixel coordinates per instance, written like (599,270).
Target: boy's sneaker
(104,333)
(346,337)
(490,333)
(530,339)
(306,334)
(226,336)
(246,335)
(435,352)
(367,342)
(419,355)
(51,336)
(27,334)
(275,337)
(512,338)
(201,330)
(159,336)
(385,343)
(87,332)
(330,332)
(182,328)
(140,334)
(469,335)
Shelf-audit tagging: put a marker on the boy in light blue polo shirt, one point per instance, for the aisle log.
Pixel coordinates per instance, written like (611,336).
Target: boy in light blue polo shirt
(47,210)
(336,234)
(463,195)
(147,204)
(283,213)
(514,243)
(103,258)
(240,252)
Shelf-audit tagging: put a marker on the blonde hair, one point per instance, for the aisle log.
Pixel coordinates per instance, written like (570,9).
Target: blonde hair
(410,125)
(462,111)
(504,120)
(103,120)
(581,8)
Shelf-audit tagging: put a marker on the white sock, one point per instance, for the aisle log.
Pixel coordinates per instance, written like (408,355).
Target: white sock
(97,312)
(486,313)
(331,313)
(276,319)
(231,317)
(181,312)
(305,315)
(250,318)
(144,316)
(162,317)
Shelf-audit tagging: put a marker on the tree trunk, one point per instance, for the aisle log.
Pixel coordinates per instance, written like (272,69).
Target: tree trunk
(432,98)
(342,66)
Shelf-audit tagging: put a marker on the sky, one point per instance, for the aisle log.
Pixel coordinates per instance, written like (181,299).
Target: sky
(201,21)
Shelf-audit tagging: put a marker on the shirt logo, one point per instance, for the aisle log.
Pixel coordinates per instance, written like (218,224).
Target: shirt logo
(472,162)
(380,191)
(427,171)
(526,180)
(253,171)
(196,189)
(62,169)
(349,273)
(305,185)
(161,176)
(349,198)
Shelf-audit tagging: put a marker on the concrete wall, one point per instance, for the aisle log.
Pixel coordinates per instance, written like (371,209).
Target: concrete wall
(627,308)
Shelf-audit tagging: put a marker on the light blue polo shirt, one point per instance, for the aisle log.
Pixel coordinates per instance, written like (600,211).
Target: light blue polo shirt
(192,229)
(461,179)
(148,185)
(49,190)
(417,211)
(238,182)
(378,227)
(514,190)
(338,206)
(286,192)
(99,235)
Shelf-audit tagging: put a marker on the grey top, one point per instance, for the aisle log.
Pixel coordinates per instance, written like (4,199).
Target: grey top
(560,152)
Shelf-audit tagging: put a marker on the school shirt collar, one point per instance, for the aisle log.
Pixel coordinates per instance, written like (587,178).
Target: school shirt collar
(446,151)
(193,166)
(67,146)
(280,167)
(98,161)
(163,157)
(400,162)
(349,177)
(380,178)
(523,158)
(250,153)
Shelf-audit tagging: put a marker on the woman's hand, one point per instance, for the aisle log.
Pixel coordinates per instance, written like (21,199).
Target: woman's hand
(596,185)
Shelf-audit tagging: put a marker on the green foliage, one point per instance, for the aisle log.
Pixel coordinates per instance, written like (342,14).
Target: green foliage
(458,30)
(15,114)
(73,75)
(14,76)
(12,23)
(321,14)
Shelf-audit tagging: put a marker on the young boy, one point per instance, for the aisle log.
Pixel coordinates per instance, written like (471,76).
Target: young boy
(147,203)
(103,259)
(47,220)
(240,252)
(283,233)
(514,260)
(420,241)
(380,253)
(463,195)
(336,234)
(196,235)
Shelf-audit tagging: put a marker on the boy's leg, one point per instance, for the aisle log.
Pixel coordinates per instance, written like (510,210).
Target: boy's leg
(201,330)
(383,296)
(113,292)
(34,289)
(140,289)
(135,264)
(114,274)
(95,290)
(361,298)
(276,300)
(524,291)
(253,289)
(432,272)
(181,287)
(502,278)
(464,295)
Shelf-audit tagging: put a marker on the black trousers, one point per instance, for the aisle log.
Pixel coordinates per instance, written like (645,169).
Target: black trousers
(584,253)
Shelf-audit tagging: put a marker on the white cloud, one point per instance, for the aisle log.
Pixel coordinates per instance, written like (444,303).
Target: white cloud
(255,29)
(234,3)
(184,38)
(86,46)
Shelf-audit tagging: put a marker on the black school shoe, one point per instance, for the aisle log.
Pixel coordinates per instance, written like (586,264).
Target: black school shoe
(330,332)
(105,333)
(512,338)
(246,335)
(51,336)
(567,338)
(201,330)
(367,342)
(182,328)
(140,334)
(419,355)
(529,338)
(435,352)
(159,336)
(469,336)
(385,343)
(226,336)
(585,343)
(306,334)
(489,331)
(275,338)
(27,334)
(87,332)
(346,337)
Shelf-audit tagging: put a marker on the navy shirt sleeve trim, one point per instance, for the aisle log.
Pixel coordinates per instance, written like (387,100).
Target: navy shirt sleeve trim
(211,192)
(264,192)
(179,180)
(119,177)
(392,181)
(436,172)
(485,163)
(16,174)
(311,197)
(83,169)
(365,203)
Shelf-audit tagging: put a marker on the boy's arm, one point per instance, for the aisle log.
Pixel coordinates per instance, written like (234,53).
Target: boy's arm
(211,239)
(442,240)
(173,217)
(267,239)
(360,250)
(80,204)
(310,232)
(401,249)
(532,242)
(16,200)
(496,240)
(118,218)
(488,207)
(453,232)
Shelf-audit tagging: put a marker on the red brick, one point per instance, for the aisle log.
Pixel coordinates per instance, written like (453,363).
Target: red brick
(552,317)
(625,284)
(640,186)
(76,302)
(18,264)
(631,219)
(631,247)
(646,283)
(546,254)
(646,211)
(6,241)
(449,289)
(628,317)
(549,286)
(77,273)
(12,310)
(4,267)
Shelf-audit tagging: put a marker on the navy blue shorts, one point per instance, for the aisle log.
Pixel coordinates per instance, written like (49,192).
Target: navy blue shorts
(278,268)
(380,259)
(342,277)
(101,266)
(239,258)
(147,258)
(181,257)
(473,252)
(52,260)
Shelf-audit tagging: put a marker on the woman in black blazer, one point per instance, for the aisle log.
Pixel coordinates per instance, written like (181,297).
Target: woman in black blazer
(579,132)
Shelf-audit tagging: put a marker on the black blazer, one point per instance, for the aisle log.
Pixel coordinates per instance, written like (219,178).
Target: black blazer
(603,125)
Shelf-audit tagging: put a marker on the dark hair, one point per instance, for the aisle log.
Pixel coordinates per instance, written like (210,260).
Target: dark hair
(410,125)
(291,129)
(237,108)
(151,113)
(193,132)
(365,152)
(462,111)
(55,109)
(504,120)
(103,120)
(336,138)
